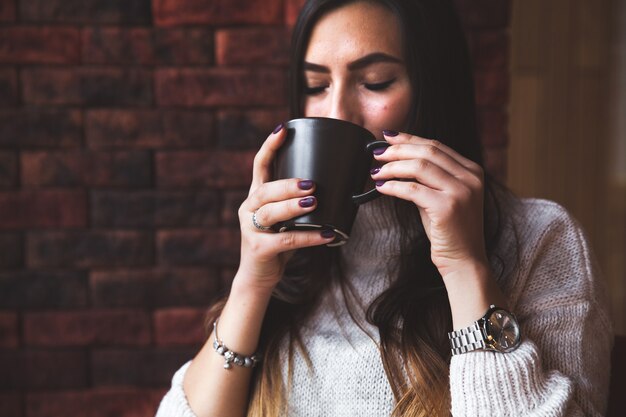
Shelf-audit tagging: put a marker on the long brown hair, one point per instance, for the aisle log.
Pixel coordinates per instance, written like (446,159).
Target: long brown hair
(413,314)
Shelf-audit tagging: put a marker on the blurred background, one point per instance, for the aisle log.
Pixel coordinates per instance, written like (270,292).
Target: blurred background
(127,132)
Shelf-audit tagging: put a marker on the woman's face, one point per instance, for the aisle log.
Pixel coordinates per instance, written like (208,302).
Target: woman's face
(354,69)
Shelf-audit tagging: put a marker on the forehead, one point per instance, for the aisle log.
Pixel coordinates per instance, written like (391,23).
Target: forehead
(354,30)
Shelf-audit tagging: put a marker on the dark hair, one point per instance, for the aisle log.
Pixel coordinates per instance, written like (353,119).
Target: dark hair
(413,314)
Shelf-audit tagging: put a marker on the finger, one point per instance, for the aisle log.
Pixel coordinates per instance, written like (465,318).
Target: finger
(406,138)
(278,190)
(287,241)
(423,152)
(265,155)
(421,170)
(421,195)
(272,213)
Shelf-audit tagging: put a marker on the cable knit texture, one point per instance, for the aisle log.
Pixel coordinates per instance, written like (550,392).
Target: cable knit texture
(543,265)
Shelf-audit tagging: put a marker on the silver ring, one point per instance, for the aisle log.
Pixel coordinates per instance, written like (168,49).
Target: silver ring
(257,225)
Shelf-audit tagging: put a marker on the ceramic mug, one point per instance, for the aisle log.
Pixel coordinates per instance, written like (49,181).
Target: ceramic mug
(337,156)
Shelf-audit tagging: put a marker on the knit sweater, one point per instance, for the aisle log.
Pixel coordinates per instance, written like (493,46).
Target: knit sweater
(544,266)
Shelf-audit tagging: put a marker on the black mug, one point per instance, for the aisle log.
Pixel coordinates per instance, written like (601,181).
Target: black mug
(337,156)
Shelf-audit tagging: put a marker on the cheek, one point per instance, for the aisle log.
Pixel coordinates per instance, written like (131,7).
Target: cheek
(388,113)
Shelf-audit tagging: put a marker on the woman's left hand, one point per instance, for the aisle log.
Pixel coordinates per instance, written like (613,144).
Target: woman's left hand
(447,188)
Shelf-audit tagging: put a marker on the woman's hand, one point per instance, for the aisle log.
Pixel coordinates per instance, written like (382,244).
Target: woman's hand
(265,253)
(447,188)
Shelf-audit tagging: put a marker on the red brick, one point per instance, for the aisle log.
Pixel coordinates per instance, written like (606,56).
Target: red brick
(198,247)
(496,163)
(149,129)
(292,9)
(40,128)
(118,402)
(9,336)
(86,249)
(180,327)
(88,168)
(129,46)
(85,328)
(87,86)
(246,46)
(86,11)
(492,88)
(238,129)
(8,90)
(11,404)
(8,169)
(220,169)
(484,13)
(154,288)
(139,368)
(43,289)
(122,209)
(41,369)
(11,250)
(230,208)
(43,208)
(36,45)
(216,12)
(7,14)
(493,125)
(489,49)
(221,87)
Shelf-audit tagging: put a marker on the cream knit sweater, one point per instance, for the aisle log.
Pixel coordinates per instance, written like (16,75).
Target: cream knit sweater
(549,276)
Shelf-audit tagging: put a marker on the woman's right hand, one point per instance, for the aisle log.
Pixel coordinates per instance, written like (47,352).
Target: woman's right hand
(265,253)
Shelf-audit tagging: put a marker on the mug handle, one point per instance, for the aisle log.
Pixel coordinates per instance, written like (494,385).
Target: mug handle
(373,193)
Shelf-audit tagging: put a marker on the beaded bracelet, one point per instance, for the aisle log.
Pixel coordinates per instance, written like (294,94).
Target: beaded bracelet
(230,356)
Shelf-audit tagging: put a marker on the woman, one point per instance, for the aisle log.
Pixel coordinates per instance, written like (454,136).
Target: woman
(363,330)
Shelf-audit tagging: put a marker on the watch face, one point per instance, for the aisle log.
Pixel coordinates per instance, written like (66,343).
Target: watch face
(503,330)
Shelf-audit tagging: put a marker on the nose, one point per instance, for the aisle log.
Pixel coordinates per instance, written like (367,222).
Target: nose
(343,105)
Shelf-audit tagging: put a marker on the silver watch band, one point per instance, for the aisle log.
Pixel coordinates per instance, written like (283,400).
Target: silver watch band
(467,339)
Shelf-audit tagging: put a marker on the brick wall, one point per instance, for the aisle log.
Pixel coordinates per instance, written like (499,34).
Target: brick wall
(127,132)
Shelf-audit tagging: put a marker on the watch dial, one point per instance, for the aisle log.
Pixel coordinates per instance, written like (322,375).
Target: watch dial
(503,328)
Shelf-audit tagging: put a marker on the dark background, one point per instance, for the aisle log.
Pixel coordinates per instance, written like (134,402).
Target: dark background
(127,132)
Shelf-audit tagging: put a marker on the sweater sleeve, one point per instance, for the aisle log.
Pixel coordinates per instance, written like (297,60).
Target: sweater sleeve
(562,366)
(174,403)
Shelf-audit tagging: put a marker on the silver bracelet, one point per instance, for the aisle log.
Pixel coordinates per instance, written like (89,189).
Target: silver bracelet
(230,356)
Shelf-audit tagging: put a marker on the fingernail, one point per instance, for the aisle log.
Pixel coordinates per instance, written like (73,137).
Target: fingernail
(380,183)
(306,202)
(327,234)
(278,128)
(305,184)
(379,151)
(374,171)
(391,133)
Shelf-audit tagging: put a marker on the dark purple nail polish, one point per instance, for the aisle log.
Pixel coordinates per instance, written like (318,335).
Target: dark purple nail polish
(380,183)
(306,202)
(278,128)
(379,151)
(327,234)
(305,184)
(390,133)
(374,171)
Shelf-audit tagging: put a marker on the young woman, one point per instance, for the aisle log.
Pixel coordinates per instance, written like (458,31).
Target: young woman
(366,329)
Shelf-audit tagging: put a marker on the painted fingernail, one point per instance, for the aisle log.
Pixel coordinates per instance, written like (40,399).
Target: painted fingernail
(305,184)
(278,128)
(374,171)
(379,183)
(390,133)
(306,202)
(327,234)
(379,151)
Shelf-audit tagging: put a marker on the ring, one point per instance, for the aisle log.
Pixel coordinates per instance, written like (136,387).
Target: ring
(257,225)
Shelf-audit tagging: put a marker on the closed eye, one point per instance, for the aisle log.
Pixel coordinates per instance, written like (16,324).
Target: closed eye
(379,86)
(311,91)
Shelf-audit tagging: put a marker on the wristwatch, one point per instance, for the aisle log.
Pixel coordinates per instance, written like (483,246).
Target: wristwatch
(497,330)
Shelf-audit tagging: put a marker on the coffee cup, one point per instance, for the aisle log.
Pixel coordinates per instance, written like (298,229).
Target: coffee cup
(337,156)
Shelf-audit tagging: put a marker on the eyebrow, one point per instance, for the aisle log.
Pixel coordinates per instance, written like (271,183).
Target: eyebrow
(360,63)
